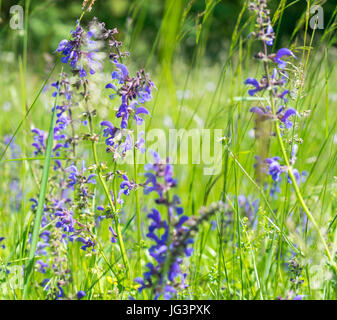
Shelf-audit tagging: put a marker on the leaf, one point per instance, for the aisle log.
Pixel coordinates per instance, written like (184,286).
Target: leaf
(41,200)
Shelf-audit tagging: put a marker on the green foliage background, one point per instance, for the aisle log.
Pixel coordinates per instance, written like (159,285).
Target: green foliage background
(51,20)
(162,35)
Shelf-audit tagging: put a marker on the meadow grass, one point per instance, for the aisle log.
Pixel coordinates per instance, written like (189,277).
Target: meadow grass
(231,260)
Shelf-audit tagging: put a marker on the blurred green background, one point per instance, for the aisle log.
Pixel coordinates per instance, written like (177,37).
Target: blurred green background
(198,87)
(139,22)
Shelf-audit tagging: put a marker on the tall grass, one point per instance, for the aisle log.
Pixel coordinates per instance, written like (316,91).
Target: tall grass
(230,260)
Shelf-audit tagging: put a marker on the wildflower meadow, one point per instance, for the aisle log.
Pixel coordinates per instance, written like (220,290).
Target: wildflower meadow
(168,150)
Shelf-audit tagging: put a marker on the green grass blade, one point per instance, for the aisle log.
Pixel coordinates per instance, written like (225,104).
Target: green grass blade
(40,207)
(27,113)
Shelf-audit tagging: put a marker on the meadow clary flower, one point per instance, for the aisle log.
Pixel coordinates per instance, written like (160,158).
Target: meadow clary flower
(249,206)
(39,144)
(43,266)
(283,95)
(156,171)
(168,235)
(87,243)
(114,88)
(125,111)
(60,292)
(274,167)
(253,82)
(297,176)
(264,113)
(78,177)
(139,111)
(140,143)
(109,132)
(34,203)
(81,52)
(80,295)
(284,52)
(144,95)
(123,73)
(65,221)
(285,117)
(125,187)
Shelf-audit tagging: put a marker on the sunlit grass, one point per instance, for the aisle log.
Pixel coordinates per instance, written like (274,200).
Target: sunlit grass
(238,261)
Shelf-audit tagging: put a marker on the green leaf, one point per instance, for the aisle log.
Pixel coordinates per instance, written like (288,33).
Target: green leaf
(40,207)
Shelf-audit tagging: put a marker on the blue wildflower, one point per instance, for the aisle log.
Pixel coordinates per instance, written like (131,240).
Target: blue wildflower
(275,169)
(43,266)
(284,52)
(80,295)
(253,82)
(168,247)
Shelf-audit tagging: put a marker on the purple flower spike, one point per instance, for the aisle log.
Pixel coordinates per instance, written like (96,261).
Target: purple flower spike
(161,180)
(284,52)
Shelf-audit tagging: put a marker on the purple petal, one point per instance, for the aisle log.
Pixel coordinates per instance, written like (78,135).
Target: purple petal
(289,113)
(257,110)
(284,52)
(142,110)
(107,124)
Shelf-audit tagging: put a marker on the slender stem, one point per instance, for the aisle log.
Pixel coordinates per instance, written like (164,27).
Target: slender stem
(112,205)
(289,168)
(139,234)
(25,39)
(106,260)
(299,195)
(29,268)
(108,196)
